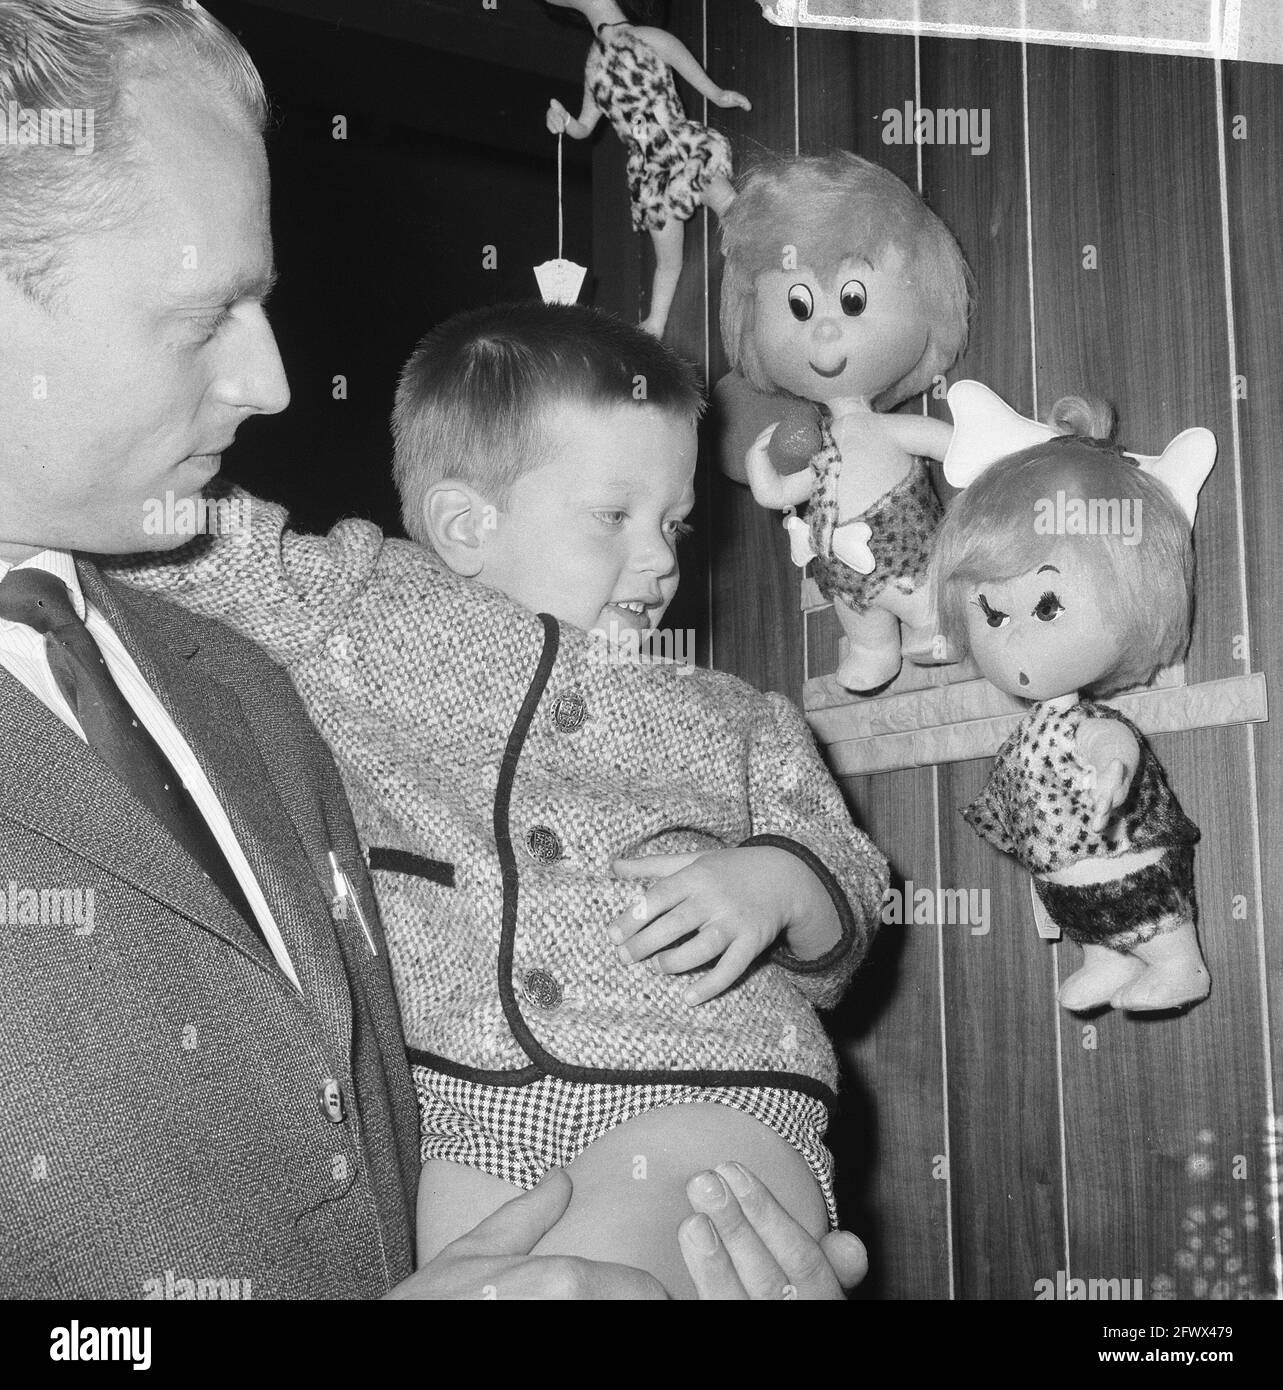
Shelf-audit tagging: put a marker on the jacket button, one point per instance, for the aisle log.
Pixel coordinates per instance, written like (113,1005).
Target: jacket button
(332,1101)
(541,989)
(570,711)
(543,845)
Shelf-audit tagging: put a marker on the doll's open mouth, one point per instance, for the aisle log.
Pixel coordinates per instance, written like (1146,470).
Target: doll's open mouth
(837,371)
(1024,679)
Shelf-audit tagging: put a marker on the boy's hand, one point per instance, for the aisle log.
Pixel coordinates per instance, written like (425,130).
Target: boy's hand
(731,904)
(727,99)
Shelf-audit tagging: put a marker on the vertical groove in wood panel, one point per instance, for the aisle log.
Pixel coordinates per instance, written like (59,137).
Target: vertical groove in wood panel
(1125,157)
(1253,152)
(1000,986)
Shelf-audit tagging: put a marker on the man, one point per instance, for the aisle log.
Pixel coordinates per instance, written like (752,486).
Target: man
(205,1077)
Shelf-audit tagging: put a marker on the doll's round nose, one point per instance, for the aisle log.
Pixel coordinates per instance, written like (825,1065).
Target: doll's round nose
(826,330)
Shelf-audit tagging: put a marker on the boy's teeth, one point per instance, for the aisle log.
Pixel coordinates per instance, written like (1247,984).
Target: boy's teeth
(632,607)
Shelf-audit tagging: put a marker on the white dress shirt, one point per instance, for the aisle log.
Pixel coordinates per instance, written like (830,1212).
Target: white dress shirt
(22,653)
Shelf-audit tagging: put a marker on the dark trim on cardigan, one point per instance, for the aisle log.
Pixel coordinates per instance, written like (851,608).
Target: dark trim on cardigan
(402,861)
(526,1040)
(527,1076)
(782,955)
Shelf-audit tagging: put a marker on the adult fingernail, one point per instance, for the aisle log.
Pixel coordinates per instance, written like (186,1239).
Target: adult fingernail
(736,1178)
(702,1235)
(708,1190)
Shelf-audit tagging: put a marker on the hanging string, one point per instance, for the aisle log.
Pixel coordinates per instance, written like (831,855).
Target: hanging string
(561,216)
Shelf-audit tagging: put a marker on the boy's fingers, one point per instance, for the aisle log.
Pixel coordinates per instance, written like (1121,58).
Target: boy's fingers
(518,1226)
(648,907)
(653,865)
(720,978)
(711,941)
(672,926)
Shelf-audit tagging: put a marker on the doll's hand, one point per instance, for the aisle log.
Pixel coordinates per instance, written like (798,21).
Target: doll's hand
(726,99)
(1111,788)
(558,118)
(728,905)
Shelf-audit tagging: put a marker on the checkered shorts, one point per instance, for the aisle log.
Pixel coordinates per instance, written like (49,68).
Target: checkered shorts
(518,1133)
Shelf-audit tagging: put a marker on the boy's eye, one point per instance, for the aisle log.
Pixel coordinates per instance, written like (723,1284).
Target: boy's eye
(801,302)
(854,297)
(995,617)
(612,517)
(1049,608)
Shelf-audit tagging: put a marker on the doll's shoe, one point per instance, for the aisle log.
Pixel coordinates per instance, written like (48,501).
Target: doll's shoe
(1175,974)
(1104,974)
(1165,987)
(866,669)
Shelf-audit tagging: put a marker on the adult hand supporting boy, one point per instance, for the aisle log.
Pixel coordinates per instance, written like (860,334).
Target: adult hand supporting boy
(740,1244)
(727,905)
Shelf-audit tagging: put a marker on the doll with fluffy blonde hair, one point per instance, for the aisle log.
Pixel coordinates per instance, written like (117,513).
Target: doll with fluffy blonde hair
(1065,568)
(841,287)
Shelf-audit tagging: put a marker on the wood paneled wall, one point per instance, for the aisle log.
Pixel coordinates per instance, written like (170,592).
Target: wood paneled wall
(988,1140)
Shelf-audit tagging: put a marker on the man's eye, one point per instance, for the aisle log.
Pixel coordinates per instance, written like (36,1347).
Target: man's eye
(801,302)
(854,297)
(210,326)
(995,617)
(1049,608)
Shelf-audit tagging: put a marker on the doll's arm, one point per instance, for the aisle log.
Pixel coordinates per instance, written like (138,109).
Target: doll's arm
(769,488)
(1111,751)
(920,435)
(794,805)
(678,57)
(560,120)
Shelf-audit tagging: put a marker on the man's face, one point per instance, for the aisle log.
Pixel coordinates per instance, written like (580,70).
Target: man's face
(591,536)
(131,385)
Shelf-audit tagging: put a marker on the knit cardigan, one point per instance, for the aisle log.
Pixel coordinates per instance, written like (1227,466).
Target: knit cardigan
(497,761)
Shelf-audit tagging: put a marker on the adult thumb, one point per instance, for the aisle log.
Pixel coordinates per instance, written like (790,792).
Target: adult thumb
(518,1226)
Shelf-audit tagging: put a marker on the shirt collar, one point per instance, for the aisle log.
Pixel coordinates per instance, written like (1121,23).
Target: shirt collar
(62,565)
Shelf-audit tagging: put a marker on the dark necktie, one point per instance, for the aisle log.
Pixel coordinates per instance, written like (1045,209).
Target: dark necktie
(40,600)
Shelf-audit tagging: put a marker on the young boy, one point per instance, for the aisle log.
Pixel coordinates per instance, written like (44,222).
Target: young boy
(612,889)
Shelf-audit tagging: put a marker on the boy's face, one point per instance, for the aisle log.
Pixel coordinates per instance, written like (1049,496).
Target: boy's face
(591,535)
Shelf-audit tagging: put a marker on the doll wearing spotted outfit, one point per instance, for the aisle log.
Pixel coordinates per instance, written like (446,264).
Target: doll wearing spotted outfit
(1076,794)
(675,165)
(843,288)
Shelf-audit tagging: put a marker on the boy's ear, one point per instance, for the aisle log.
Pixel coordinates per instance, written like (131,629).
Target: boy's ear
(458,521)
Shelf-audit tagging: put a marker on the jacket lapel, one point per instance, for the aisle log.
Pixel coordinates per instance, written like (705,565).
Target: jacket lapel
(53,784)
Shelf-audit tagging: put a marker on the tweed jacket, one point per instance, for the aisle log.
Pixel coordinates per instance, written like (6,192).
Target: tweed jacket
(497,762)
(163,1132)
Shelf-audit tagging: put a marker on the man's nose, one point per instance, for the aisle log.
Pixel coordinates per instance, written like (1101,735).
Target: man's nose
(253,375)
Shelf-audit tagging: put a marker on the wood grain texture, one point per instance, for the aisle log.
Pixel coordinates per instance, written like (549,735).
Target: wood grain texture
(890,1139)
(1124,158)
(1254,157)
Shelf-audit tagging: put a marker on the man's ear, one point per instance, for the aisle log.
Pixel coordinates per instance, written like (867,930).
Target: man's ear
(459,521)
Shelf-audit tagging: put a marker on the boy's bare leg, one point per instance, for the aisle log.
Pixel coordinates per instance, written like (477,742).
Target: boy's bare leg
(630,1189)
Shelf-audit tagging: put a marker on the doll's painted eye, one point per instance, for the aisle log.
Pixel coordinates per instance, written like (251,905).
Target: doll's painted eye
(801,302)
(995,617)
(854,297)
(1049,608)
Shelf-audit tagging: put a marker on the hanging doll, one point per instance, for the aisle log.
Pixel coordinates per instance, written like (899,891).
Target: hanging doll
(1066,569)
(841,287)
(674,164)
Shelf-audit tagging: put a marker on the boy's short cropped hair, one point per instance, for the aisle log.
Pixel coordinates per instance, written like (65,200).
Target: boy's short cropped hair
(473,399)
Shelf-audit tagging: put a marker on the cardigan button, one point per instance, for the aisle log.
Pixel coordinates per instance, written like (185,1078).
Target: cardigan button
(569,711)
(541,989)
(542,845)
